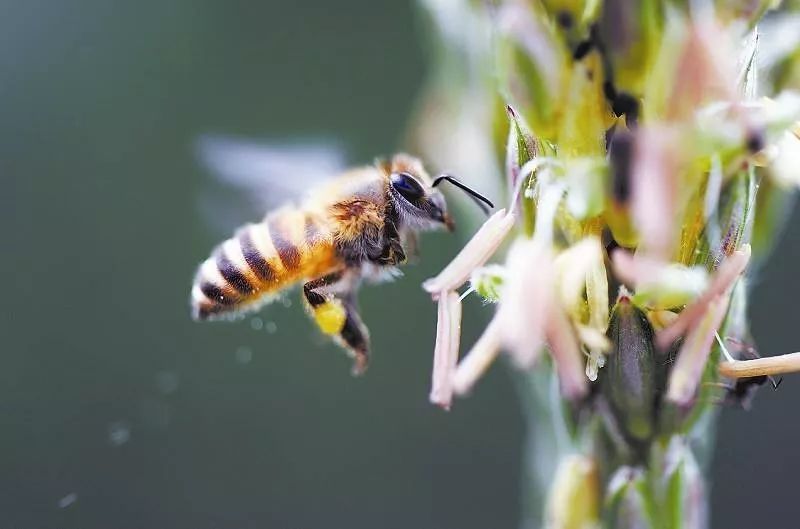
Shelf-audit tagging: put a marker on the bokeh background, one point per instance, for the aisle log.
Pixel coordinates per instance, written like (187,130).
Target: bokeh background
(117,411)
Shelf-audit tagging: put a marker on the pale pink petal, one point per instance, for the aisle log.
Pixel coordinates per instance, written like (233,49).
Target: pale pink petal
(445,355)
(567,354)
(625,267)
(694,352)
(654,186)
(478,360)
(527,296)
(705,72)
(474,254)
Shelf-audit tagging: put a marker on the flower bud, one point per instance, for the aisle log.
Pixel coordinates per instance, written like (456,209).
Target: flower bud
(574,500)
(629,378)
(626,500)
(682,487)
(726,231)
(531,65)
(522,147)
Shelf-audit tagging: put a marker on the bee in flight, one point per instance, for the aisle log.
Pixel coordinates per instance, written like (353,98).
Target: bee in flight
(359,225)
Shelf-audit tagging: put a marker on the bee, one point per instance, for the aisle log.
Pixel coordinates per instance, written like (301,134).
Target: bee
(359,225)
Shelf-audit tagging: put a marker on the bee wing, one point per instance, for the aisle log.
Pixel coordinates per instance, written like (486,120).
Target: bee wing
(252,177)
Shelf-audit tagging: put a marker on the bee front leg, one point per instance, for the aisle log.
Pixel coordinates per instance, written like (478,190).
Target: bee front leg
(331,300)
(393,252)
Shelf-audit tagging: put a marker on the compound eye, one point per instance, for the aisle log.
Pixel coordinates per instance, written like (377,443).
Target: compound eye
(408,186)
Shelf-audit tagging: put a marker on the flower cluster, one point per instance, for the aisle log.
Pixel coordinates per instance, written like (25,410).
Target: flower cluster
(647,148)
(634,157)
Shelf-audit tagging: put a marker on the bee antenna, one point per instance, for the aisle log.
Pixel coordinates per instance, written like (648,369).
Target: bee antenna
(479,199)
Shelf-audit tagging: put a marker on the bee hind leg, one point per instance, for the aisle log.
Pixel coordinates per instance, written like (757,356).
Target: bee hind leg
(331,303)
(354,337)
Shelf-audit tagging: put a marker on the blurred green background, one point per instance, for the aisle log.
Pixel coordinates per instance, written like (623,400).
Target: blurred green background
(118,411)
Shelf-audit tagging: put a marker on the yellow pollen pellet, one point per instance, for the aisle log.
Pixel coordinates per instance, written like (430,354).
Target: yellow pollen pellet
(330,316)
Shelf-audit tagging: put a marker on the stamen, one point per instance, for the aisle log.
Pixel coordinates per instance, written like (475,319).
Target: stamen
(766,366)
(478,360)
(567,354)
(474,254)
(694,352)
(445,356)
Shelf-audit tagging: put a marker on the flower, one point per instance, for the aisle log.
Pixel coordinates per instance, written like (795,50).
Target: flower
(648,150)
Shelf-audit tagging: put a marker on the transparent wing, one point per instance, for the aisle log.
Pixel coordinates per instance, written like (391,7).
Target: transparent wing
(251,177)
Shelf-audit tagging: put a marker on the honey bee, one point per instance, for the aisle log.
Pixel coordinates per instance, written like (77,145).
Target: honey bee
(359,225)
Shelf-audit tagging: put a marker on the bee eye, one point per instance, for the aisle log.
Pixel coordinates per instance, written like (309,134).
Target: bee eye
(407,186)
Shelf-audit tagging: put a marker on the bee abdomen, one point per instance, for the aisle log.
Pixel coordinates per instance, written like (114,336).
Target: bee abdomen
(259,260)
(286,241)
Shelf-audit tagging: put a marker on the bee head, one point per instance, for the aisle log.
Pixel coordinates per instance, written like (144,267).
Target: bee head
(417,201)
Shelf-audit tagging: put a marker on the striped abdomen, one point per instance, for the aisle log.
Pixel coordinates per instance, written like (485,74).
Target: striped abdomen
(262,259)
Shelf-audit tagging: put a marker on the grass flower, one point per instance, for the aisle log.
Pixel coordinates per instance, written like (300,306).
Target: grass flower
(646,149)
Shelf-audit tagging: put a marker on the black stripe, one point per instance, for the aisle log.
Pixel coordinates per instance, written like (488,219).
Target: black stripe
(216,294)
(232,275)
(287,251)
(254,259)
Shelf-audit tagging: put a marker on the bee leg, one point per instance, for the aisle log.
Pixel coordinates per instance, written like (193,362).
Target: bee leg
(331,301)
(392,252)
(327,310)
(355,338)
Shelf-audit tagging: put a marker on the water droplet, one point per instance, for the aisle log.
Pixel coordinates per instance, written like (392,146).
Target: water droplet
(244,355)
(119,433)
(257,323)
(286,302)
(67,500)
(167,382)
(272,327)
